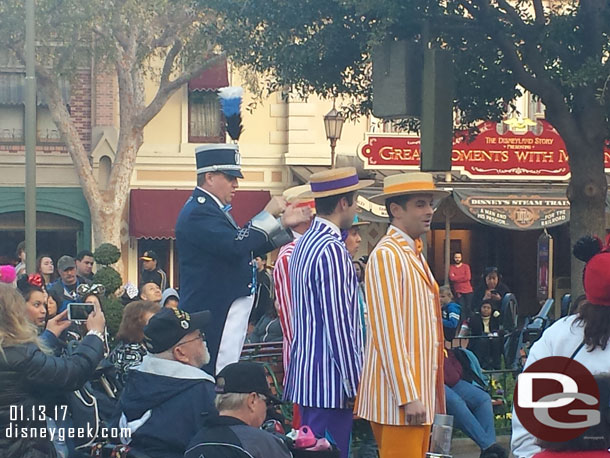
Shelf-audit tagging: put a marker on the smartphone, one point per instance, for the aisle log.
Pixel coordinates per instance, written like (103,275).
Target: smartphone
(79,312)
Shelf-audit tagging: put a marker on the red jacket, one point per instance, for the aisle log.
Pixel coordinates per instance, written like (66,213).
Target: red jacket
(573,454)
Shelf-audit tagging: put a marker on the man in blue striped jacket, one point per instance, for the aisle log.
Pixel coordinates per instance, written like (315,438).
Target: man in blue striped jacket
(327,348)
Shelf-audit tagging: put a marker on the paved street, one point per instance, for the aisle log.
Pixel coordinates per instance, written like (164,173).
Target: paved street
(466,448)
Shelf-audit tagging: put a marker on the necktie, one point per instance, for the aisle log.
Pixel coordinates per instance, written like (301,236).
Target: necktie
(227,208)
(419,245)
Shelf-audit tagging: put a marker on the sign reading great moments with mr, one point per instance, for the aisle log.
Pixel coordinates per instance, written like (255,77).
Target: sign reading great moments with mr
(533,152)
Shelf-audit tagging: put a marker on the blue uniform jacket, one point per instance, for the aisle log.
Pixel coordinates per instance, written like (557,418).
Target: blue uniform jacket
(215,258)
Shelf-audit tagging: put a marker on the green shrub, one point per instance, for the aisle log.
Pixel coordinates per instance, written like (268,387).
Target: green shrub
(108,277)
(113,311)
(107,254)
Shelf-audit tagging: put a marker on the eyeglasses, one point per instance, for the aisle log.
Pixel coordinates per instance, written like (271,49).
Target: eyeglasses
(263,398)
(200,336)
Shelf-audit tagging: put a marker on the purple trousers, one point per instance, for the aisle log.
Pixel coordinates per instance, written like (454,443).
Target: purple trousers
(336,422)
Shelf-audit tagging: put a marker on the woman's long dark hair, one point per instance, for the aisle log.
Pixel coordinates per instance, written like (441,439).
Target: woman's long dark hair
(596,321)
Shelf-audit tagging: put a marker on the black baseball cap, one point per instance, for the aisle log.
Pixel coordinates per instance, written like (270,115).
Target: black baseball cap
(168,326)
(149,255)
(244,377)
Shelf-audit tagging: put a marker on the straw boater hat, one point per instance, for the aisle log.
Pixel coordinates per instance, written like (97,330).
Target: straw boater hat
(335,181)
(294,196)
(408,183)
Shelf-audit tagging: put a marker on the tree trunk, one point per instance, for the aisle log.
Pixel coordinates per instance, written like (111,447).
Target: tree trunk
(106,218)
(587,195)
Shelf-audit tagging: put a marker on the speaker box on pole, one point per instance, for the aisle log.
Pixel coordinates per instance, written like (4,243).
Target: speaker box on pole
(397,79)
(437,111)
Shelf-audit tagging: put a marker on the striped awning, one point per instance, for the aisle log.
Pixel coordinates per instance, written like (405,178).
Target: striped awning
(12,89)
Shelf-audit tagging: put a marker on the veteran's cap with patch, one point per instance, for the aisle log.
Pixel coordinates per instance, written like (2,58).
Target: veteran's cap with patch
(168,326)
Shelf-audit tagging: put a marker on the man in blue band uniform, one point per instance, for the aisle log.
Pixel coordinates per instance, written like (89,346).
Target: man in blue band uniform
(215,254)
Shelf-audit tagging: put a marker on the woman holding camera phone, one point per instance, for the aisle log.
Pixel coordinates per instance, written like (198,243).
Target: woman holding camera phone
(32,380)
(491,288)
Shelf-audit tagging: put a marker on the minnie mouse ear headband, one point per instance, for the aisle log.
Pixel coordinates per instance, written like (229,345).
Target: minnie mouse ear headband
(595,275)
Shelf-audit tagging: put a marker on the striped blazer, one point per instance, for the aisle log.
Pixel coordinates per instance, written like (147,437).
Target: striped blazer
(404,349)
(327,349)
(281,283)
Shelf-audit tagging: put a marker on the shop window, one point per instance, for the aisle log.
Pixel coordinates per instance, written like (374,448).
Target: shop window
(11,123)
(46,130)
(206,123)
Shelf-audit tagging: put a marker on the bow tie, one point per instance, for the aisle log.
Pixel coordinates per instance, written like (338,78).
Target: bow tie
(419,245)
(227,208)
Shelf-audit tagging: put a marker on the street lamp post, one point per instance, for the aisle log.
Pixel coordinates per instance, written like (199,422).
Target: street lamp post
(333,124)
(30,140)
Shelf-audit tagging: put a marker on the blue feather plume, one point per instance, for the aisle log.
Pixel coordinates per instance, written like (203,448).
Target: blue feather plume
(230,103)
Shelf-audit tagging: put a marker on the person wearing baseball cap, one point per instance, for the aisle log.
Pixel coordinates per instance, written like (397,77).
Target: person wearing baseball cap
(151,273)
(399,393)
(326,351)
(215,254)
(168,395)
(242,397)
(66,287)
(352,237)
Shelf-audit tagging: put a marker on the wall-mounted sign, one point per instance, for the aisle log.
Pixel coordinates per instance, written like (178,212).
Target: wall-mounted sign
(498,152)
(545,266)
(513,209)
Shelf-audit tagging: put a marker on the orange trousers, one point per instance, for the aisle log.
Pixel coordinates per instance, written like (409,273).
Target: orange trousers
(401,441)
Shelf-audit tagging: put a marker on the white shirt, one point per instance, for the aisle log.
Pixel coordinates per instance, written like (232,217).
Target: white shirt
(561,339)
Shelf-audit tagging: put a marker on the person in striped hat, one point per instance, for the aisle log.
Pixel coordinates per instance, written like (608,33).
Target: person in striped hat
(402,380)
(326,352)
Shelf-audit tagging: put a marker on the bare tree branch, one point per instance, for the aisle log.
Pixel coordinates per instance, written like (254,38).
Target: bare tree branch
(170,58)
(169,87)
(49,86)
(539,13)
(515,17)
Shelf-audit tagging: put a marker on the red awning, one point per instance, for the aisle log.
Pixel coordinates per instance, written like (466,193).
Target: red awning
(211,78)
(153,212)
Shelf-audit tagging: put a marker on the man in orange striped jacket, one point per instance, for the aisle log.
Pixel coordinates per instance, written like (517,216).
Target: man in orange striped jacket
(402,381)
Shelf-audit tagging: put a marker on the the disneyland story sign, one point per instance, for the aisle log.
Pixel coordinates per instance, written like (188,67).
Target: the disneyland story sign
(534,151)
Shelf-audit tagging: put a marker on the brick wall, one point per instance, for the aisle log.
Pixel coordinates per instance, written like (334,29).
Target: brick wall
(105,98)
(80,106)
